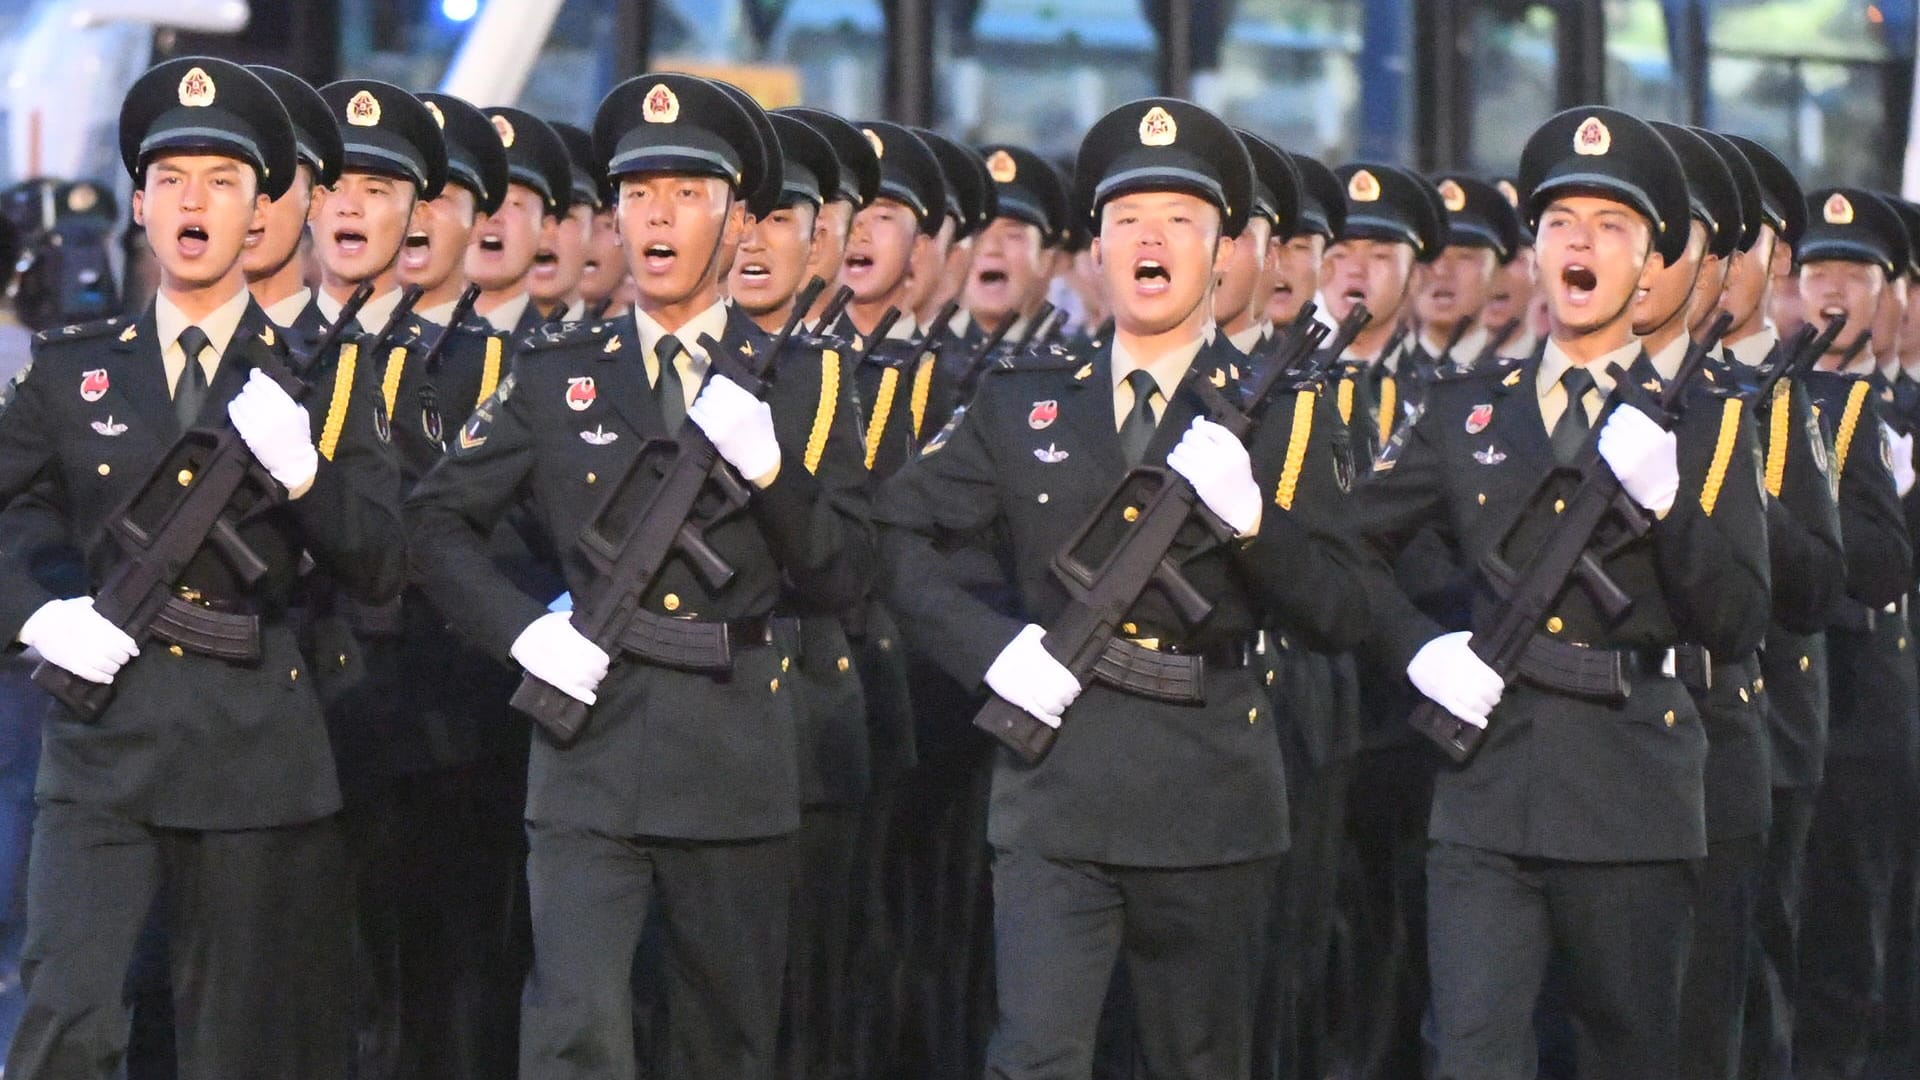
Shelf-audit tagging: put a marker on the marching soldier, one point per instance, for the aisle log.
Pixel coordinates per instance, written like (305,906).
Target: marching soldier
(1572,831)
(275,269)
(561,262)
(1853,245)
(1515,285)
(859,186)
(505,244)
(1240,296)
(1106,850)
(1390,227)
(1483,234)
(682,789)
(208,772)
(434,257)
(941,273)
(1015,252)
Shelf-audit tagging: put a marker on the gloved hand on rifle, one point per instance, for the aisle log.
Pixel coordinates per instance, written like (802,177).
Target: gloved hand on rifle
(555,653)
(1447,670)
(741,427)
(1221,473)
(275,427)
(69,634)
(1028,676)
(1644,456)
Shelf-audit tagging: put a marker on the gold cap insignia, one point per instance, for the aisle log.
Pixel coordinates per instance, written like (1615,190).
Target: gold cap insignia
(82,198)
(196,88)
(1452,195)
(661,105)
(1001,166)
(873,140)
(1511,193)
(439,118)
(1591,138)
(1839,210)
(504,128)
(363,110)
(1363,186)
(1157,128)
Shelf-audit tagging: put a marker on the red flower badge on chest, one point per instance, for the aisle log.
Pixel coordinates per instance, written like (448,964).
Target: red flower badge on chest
(1043,415)
(581,393)
(94,384)
(1479,418)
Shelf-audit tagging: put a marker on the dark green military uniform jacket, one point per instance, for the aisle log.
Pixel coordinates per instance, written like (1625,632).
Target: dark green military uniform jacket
(1559,777)
(1870,651)
(1129,781)
(189,741)
(664,752)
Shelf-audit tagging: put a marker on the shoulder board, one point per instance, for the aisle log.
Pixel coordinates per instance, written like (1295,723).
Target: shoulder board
(87,331)
(562,337)
(1498,368)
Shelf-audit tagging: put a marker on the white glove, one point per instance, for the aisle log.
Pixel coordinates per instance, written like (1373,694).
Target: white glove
(1901,447)
(1218,467)
(276,429)
(555,653)
(740,425)
(1027,675)
(70,634)
(1447,670)
(1645,457)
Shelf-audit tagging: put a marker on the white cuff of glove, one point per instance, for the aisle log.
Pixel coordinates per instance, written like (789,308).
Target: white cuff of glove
(1028,676)
(277,430)
(71,635)
(555,653)
(1221,473)
(1644,456)
(1447,670)
(741,427)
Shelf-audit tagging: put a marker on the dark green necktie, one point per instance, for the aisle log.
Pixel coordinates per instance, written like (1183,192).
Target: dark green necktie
(1136,431)
(1570,433)
(673,399)
(190,389)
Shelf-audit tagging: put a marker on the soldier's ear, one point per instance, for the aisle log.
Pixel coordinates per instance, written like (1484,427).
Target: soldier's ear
(260,205)
(139,208)
(1650,268)
(1222,254)
(1093,250)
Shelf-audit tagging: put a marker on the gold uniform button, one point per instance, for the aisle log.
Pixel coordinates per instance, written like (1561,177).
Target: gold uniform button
(773,687)
(1042,498)
(1670,718)
(593,478)
(1131,513)
(1759,685)
(1559,506)
(1744,696)
(185,477)
(1481,498)
(1805,663)
(104,469)
(1269,678)
(1253,716)
(842,664)
(343,659)
(671,602)
(294,675)
(175,650)
(1555,625)
(1129,628)
(785,662)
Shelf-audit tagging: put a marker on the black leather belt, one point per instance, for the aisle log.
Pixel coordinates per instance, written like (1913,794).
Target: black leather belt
(374,620)
(705,648)
(1862,619)
(1603,675)
(222,629)
(1169,671)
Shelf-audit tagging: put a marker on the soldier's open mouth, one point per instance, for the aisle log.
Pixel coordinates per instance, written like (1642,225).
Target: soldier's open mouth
(1151,278)
(350,243)
(658,257)
(193,241)
(1580,282)
(416,251)
(993,277)
(755,272)
(492,244)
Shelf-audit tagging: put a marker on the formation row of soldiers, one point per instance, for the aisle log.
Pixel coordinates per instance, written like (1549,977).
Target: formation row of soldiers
(754,831)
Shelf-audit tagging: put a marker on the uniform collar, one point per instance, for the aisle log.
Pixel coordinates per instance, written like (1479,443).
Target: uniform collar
(1465,351)
(711,322)
(438,314)
(1668,360)
(1554,363)
(506,317)
(219,324)
(1246,339)
(283,313)
(1167,371)
(905,328)
(575,312)
(1753,349)
(373,314)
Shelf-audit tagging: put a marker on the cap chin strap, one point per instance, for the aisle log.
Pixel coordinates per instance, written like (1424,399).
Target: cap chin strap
(713,256)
